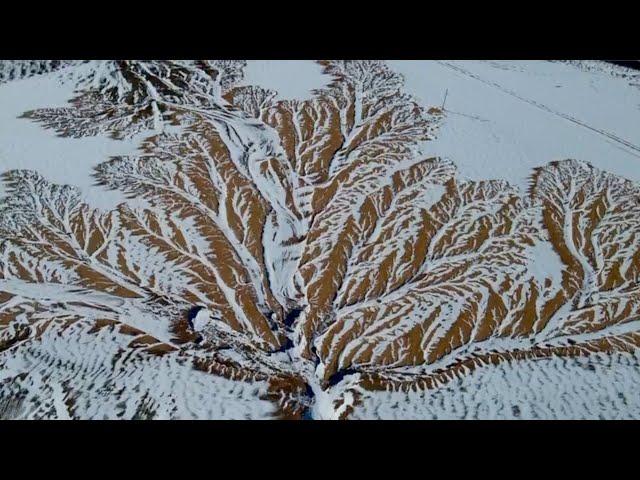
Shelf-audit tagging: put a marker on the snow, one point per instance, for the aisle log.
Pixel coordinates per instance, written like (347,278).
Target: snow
(487,132)
(490,133)
(168,385)
(544,262)
(292,79)
(201,320)
(631,75)
(24,144)
(502,119)
(596,387)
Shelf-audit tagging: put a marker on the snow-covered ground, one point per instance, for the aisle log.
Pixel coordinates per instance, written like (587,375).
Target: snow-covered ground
(27,144)
(292,79)
(115,386)
(598,387)
(502,119)
(506,117)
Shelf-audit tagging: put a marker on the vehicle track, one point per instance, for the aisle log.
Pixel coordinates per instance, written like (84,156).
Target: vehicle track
(629,145)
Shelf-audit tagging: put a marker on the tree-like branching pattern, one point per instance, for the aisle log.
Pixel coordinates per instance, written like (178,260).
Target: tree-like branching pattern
(331,255)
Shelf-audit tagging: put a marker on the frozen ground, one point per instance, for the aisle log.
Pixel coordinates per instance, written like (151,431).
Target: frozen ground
(114,386)
(502,119)
(27,144)
(292,79)
(506,117)
(598,387)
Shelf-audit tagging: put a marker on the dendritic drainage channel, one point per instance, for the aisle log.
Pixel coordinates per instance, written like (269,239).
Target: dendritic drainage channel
(333,258)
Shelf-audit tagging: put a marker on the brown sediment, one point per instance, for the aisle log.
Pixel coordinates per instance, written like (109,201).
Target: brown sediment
(434,281)
(101,323)
(627,343)
(21,334)
(160,349)
(492,318)
(290,395)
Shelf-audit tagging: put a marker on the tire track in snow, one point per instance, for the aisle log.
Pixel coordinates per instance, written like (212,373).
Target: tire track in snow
(541,106)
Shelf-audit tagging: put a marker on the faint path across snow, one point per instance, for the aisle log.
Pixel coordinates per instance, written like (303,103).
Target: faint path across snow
(505,118)
(635,148)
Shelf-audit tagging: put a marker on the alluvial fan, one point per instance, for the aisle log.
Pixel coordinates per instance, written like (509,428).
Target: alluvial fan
(330,257)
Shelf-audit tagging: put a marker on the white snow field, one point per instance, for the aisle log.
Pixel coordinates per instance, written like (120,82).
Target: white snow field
(26,144)
(115,386)
(292,79)
(506,117)
(502,119)
(596,388)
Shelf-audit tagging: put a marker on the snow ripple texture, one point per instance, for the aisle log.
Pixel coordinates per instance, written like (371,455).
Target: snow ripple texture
(597,388)
(77,374)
